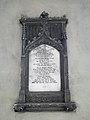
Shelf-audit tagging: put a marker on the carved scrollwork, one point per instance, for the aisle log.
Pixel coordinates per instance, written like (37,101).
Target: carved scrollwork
(18,108)
(70,107)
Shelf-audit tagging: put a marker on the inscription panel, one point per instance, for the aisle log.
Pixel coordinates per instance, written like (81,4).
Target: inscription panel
(44,69)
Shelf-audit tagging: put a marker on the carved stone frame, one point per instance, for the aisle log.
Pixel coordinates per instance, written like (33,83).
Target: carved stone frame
(44,101)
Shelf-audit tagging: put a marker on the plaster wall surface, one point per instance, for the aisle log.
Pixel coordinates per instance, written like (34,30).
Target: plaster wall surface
(78,33)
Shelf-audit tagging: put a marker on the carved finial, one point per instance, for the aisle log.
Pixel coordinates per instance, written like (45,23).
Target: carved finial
(44,15)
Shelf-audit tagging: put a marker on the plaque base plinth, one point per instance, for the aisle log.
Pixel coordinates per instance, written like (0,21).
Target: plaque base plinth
(30,107)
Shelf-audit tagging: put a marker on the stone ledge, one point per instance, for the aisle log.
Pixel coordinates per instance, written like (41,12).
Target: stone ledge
(38,107)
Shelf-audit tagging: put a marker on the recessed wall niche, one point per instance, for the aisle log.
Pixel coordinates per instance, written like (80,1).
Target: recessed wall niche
(44,65)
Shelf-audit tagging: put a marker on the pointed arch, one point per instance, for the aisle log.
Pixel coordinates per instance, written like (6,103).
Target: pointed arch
(45,39)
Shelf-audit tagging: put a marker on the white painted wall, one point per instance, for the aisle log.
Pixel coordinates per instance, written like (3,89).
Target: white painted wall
(78,30)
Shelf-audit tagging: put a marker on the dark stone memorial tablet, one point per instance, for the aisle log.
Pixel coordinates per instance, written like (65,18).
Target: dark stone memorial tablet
(44,65)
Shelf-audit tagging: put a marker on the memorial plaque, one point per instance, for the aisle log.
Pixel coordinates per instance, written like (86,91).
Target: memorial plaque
(44,65)
(44,69)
